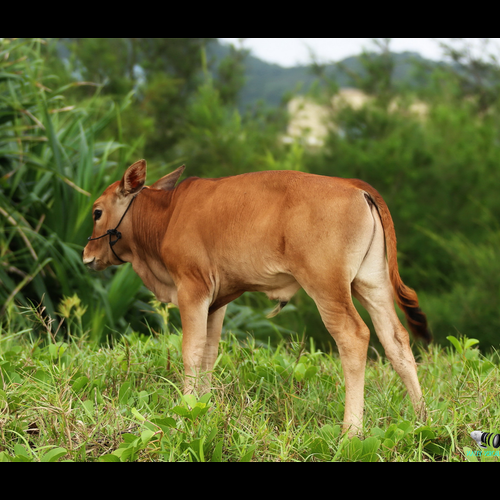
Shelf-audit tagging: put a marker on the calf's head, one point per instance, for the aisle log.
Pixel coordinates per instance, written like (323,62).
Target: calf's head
(107,213)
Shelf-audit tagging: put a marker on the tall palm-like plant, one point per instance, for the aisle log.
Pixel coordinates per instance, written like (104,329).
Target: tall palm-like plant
(52,166)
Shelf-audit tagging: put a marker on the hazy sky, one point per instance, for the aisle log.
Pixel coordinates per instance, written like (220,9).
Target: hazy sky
(294,51)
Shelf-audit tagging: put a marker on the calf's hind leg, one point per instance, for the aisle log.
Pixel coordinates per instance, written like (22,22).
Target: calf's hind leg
(352,337)
(372,287)
(393,337)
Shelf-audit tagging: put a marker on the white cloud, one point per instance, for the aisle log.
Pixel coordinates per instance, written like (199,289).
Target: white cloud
(294,51)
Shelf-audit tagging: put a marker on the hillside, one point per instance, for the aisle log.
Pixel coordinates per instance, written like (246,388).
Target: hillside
(270,82)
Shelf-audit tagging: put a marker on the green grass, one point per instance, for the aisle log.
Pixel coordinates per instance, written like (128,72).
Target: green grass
(77,401)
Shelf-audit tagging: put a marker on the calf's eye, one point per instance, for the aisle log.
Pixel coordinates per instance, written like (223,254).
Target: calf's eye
(97,214)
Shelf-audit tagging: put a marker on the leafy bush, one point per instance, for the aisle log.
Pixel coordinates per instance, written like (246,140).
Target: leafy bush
(51,167)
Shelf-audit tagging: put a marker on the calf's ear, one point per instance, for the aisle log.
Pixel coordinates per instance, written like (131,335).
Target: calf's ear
(134,178)
(168,181)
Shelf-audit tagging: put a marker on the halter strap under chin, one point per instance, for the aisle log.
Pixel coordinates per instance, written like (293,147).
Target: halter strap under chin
(115,232)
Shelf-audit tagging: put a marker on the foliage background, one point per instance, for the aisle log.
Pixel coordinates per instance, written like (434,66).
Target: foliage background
(75,112)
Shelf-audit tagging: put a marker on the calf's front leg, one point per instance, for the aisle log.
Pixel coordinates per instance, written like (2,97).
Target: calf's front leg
(194,316)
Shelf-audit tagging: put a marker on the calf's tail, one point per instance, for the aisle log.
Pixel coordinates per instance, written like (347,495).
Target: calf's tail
(406,298)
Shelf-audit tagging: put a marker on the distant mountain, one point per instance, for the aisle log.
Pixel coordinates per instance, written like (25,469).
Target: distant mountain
(270,82)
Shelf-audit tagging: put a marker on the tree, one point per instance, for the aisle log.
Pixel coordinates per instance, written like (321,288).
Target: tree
(376,76)
(475,70)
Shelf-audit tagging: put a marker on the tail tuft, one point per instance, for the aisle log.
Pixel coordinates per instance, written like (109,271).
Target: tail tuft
(417,322)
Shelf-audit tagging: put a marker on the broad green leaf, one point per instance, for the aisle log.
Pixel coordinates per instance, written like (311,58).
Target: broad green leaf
(124,393)
(248,455)
(190,399)
(165,423)
(455,343)
(143,397)
(217,454)
(95,395)
(109,458)
(370,448)
(211,435)
(80,383)
(378,432)
(299,372)
(53,455)
(354,449)
(196,411)
(389,444)
(205,398)
(88,406)
(406,427)
(130,439)
(330,432)
(182,411)
(137,415)
(146,436)
(42,376)
(425,432)
(21,452)
(58,349)
(470,343)
(320,448)
(311,372)
(125,453)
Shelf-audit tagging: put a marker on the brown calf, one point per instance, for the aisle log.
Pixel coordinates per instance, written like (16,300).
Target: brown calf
(201,244)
